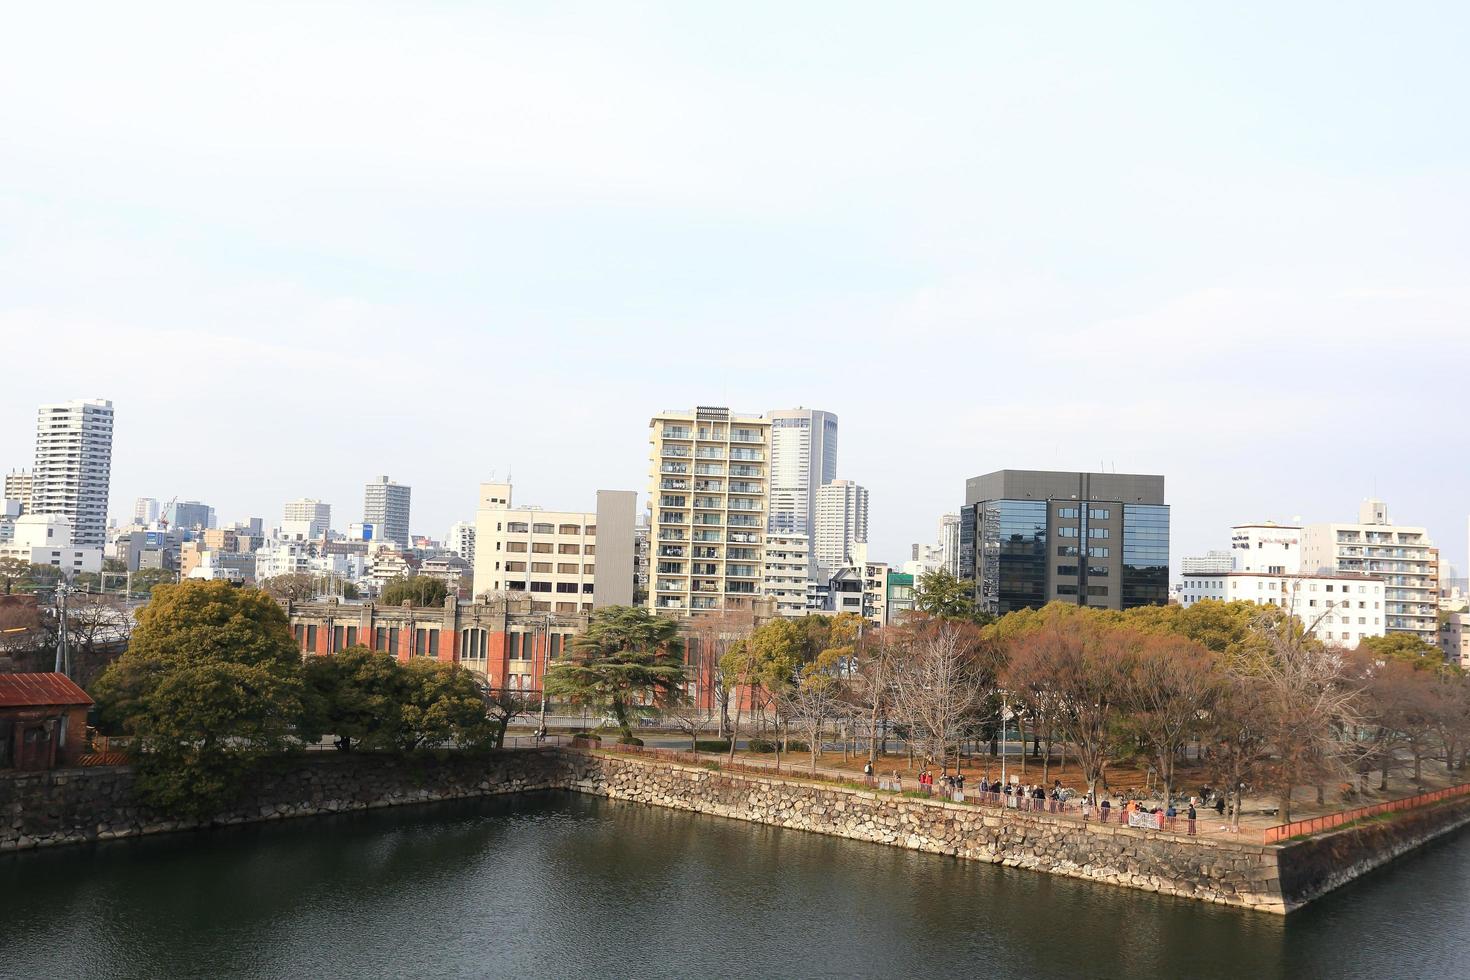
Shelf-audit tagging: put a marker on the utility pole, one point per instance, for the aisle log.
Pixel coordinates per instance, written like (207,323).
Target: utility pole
(63,655)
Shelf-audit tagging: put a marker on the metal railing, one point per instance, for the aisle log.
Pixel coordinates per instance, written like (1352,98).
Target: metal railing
(1315,825)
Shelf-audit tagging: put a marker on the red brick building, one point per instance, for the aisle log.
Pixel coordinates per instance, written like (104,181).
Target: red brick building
(502,639)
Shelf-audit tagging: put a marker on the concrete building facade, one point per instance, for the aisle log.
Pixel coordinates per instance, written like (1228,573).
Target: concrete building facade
(308,511)
(564,561)
(19,485)
(708,495)
(789,573)
(1029,537)
(1337,609)
(73,467)
(1403,556)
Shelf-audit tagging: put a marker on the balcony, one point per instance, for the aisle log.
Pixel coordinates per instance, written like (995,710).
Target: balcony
(678,452)
(742,486)
(709,503)
(678,432)
(674,468)
(706,452)
(709,486)
(751,454)
(673,485)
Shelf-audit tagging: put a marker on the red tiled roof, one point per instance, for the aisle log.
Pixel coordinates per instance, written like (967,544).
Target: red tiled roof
(37,690)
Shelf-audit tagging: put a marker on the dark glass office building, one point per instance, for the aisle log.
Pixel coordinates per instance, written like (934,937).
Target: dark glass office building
(1029,537)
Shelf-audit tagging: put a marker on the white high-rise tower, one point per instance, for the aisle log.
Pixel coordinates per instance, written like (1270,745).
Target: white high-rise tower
(842,521)
(73,468)
(803,458)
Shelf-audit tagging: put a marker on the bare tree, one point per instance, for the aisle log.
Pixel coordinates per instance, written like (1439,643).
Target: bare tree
(1238,737)
(690,719)
(1172,686)
(940,683)
(809,705)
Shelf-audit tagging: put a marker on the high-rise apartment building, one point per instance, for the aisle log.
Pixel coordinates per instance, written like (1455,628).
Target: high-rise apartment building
(18,486)
(385,506)
(803,458)
(1403,557)
(708,494)
(842,521)
(566,561)
(1029,537)
(73,468)
(949,543)
(461,540)
(1210,563)
(309,514)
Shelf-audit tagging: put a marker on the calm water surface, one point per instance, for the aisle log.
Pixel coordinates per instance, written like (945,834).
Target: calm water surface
(568,886)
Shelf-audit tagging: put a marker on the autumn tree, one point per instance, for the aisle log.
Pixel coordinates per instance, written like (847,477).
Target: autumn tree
(1172,685)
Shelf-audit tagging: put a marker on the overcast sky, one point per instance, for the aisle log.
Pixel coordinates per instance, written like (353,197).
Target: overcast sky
(301,245)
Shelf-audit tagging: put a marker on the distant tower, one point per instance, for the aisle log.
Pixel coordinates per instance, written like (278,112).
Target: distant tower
(803,458)
(385,506)
(842,521)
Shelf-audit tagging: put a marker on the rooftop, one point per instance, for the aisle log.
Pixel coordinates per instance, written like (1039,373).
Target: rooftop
(39,690)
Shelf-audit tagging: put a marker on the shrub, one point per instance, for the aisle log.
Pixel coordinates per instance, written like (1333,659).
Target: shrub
(589,736)
(712,745)
(630,740)
(761,745)
(793,745)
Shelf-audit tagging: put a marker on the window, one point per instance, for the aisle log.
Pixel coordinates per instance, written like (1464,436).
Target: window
(566,587)
(543,529)
(591,549)
(517,527)
(1097,590)
(420,643)
(586,588)
(1066,551)
(393,641)
(589,569)
(1099,513)
(380,641)
(339,633)
(1099,532)
(1066,590)
(352,636)
(433,643)
(1066,569)
(569,529)
(1066,512)
(311,638)
(540,586)
(515,566)
(1097,552)
(568,549)
(590,530)
(1097,571)
(541,547)
(566,607)
(566,568)
(516,546)
(1066,532)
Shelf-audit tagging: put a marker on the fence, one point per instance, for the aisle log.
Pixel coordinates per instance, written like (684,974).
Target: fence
(1069,810)
(1316,825)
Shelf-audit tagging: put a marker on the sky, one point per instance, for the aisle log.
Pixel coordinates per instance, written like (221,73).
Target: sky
(301,245)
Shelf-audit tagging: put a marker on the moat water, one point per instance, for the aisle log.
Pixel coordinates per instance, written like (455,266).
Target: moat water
(558,885)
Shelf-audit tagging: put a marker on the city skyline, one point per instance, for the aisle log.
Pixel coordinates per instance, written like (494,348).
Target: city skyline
(1014,246)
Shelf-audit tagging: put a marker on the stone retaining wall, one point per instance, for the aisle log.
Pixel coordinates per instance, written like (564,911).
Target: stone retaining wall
(67,806)
(1202,868)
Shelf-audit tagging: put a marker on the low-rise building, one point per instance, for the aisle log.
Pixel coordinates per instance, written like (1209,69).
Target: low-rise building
(46,539)
(1454,638)
(1403,556)
(565,561)
(1337,609)
(900,595)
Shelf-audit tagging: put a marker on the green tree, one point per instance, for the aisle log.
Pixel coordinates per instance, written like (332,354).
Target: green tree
(443,705)
(356,695)
(1403,647)
(114,566)
(938,593)
(210,684)
(15,575)
(417,589)
(625,656)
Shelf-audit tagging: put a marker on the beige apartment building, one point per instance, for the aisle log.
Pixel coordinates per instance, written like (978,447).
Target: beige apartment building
(709,488)
(1403,557)
(564,561)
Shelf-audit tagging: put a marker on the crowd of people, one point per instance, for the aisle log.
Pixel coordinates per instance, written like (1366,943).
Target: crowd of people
(1036,797)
